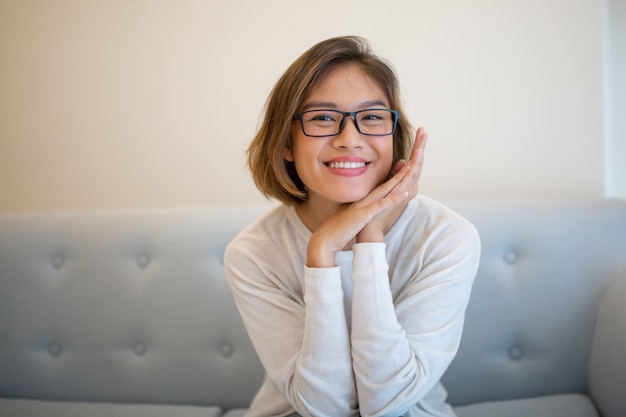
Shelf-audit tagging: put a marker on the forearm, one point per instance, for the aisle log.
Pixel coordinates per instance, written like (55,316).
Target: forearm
(299,334)
(384,364)
(321,381)
(402,342)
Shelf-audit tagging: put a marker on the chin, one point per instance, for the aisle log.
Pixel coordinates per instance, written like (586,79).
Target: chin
(352,196)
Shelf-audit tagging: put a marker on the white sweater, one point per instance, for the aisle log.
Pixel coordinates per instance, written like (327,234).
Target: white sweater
(371,336)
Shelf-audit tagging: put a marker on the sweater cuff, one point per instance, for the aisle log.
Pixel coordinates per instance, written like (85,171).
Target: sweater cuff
(320,284)
(370,260)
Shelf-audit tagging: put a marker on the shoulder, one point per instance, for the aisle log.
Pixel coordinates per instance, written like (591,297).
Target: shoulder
(266,255)
(260,233)
(272,244)
(431,227)
(433,217)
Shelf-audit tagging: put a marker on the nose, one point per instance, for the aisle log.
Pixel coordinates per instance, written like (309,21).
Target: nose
(349,137)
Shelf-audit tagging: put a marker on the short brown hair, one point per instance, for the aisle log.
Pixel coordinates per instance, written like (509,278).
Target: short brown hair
(276,177)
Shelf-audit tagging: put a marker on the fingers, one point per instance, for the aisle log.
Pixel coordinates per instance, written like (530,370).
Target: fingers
(409,174)
(417,156)
(421,137)
(405,175)
(388,186)
(372,208)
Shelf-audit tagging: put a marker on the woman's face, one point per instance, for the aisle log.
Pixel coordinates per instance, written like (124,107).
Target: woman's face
(343,168)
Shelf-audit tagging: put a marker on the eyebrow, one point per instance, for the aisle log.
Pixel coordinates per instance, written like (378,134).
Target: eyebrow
(331,105)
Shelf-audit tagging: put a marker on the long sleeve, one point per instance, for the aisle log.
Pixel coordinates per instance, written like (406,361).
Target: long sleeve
(407,325)
(301,339)
(384,363)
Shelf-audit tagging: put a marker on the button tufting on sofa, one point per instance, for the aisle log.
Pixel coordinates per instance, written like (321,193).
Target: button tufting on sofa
(516,352)
(510,257)
(143,260)
(54,349)
(227,350)
(57,262)
(140,349)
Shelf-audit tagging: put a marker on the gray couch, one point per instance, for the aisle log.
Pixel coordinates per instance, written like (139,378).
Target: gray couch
(127,313)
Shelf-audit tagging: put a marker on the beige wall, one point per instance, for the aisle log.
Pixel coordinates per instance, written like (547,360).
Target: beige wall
(120,103)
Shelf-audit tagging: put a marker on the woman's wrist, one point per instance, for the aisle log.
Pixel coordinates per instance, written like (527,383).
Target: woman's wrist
(317,256)
(370,235)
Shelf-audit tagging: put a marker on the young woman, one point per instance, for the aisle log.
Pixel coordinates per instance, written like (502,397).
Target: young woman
(354,290)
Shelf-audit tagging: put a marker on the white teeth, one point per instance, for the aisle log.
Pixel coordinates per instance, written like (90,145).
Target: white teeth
(346,165)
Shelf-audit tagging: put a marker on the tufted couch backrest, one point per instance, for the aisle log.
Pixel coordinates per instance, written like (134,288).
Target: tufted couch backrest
(133,306)
(545,267)
(127,306)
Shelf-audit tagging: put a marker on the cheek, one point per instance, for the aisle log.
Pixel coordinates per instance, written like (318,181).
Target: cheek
(304,150)
(387,155)
(297,146)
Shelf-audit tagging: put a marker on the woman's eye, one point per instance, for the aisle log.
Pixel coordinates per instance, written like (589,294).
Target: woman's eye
(322,118)
(372,117)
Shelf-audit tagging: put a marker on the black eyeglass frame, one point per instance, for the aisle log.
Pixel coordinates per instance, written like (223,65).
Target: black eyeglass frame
(342,123)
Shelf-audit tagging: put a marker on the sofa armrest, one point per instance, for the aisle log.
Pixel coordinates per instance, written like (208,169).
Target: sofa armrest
(607,373)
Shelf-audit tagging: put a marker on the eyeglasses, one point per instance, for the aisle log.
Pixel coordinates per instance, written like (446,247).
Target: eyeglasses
(370,122)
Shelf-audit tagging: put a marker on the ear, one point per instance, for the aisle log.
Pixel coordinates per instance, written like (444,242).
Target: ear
(288,155)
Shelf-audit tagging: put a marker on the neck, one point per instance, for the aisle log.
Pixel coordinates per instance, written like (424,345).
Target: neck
(314,213)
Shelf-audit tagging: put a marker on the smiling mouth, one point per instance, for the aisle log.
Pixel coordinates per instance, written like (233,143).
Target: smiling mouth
(346,165)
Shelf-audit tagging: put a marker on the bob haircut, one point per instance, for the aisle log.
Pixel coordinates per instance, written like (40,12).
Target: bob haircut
(273,175)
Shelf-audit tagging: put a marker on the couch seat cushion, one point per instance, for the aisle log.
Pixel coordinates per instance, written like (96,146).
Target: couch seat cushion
(35,408)
(237,412)
(564,405)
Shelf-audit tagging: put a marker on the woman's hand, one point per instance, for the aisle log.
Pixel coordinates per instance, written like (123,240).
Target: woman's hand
(375,230)
(369,219)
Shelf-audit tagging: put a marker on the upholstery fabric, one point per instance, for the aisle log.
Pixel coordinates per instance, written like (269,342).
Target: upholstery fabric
(124,307)
(124,312)
(566,405)
(608,364)
(31,408)
(544,269)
